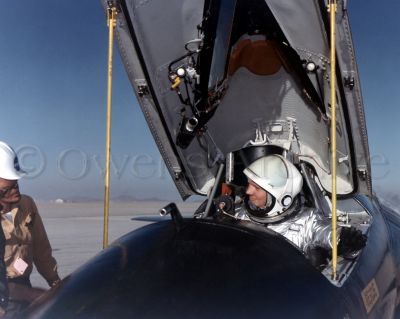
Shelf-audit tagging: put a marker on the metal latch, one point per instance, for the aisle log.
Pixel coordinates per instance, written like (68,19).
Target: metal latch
(142,87)
(362,172)
(349,82)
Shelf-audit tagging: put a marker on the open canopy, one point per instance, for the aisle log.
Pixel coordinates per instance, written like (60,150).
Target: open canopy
(213,77)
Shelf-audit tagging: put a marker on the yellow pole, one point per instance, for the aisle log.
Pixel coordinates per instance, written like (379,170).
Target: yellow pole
(111,21)
(332,10)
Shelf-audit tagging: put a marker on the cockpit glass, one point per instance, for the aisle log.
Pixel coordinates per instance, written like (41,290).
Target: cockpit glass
(221,46)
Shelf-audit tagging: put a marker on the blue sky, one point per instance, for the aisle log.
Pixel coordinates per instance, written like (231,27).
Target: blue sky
(53,100)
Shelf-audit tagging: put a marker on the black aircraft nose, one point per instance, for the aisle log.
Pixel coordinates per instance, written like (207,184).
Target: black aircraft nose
(206,270)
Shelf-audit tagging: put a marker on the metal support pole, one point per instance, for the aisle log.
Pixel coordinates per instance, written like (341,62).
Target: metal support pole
(214,189)
(111,21)
(332,10)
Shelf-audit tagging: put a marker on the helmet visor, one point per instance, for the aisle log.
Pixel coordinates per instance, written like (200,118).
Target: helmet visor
(271,169)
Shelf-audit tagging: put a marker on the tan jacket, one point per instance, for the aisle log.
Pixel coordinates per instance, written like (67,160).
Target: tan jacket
(26,238)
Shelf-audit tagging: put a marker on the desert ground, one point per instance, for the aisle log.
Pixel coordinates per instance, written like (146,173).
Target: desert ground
(75,230)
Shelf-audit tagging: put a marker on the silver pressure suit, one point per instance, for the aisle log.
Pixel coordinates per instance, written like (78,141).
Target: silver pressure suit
(306,229)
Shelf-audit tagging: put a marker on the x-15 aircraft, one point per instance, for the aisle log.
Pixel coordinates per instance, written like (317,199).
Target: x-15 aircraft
(221,84)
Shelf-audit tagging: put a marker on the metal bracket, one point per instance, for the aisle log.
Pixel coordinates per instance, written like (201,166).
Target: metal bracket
(349,82)
(114,4)
(362,172)
(344,6)
(177,172)
(172,209)
(142,88)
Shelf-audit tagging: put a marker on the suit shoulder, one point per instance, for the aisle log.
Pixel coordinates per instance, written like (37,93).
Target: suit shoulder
(27,201)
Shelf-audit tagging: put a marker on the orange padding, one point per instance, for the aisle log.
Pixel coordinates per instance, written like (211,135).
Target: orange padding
(226,189)
(259,57)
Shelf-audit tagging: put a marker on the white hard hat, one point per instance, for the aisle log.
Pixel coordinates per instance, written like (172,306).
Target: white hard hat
(278,177)
(9,166)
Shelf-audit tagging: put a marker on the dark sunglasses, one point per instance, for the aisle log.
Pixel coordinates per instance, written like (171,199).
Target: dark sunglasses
(6,190)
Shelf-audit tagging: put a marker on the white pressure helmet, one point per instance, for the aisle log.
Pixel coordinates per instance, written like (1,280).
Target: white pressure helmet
(281,179)
(9,166)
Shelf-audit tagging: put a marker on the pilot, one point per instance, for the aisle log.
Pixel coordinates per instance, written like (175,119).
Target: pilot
(26,241)
(273,200)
